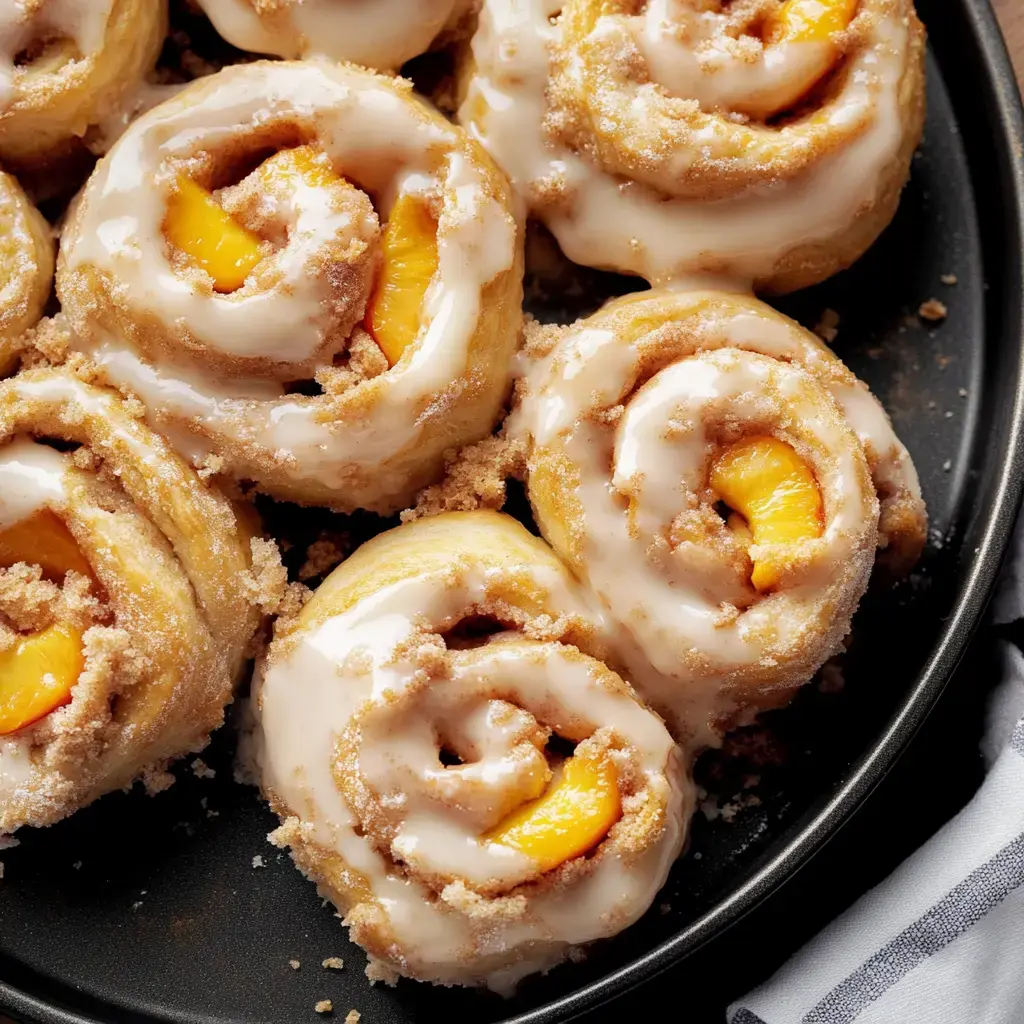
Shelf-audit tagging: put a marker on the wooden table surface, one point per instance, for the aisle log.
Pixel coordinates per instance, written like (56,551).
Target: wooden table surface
(1011,14)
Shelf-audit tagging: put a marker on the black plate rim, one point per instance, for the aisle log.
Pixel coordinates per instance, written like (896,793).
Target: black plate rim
(1007,112)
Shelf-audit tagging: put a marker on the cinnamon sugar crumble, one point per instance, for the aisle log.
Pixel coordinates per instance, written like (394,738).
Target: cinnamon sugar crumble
(324,1006)
(474,478)
(933,310)
(827,327)
(267,580)
(333,963)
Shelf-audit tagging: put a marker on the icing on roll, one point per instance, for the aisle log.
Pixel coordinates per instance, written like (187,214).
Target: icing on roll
(281,228)
(764,143)
(124,584)
(66,66)
(374,33)
(26,262)
(407,738)
(721,481)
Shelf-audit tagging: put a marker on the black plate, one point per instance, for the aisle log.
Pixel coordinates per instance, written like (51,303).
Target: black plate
(151,910)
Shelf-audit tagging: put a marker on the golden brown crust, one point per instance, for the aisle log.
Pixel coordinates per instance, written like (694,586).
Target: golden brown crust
(64,93)
(177,601)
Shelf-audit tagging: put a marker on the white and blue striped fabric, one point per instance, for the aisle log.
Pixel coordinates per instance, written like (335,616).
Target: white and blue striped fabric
(941,941)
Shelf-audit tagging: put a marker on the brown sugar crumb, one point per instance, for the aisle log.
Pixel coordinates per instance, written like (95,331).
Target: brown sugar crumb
(267,581)
(324,554)
(827,327)
(324,1006)
(474,478)
(210,466)
(333,963)
(949,279)
(352,1017)
(294,964)
(933,310)
(201,770)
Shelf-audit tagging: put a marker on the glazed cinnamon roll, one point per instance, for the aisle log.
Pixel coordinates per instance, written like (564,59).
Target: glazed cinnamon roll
(26,261)
(124,600)
(455,766)
(373,33)
(766,141)
(722,482)
(68,65)
(309,278)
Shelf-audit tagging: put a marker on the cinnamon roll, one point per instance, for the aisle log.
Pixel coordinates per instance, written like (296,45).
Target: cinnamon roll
(722,482)
(68,65)
(456,767)
(310,279)
(124,607)
(765,141)
(373,33)
(26,260)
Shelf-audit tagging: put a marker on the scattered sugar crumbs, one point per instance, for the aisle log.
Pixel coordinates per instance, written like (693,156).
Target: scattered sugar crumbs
(827,327)
(201,770)
(294,964)
(333,963)
(327,551)
(948,279)
(257,861)
(352,1017)
(267,580)
(474,478)
(933,310)
(325,1006)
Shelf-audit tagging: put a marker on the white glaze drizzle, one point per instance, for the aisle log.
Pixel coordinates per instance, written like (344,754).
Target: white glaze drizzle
(306,700)
(632,230)
(84,22)
(31,480)
(748,368)
(375,33)
(374,138)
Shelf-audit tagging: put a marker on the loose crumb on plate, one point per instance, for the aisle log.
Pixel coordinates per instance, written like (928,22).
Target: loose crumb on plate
(933,310)
(352,1017)
(334,963)
(324,1006)
(201,770)
(257,862)
(827,327)
(294,964)
(948,279)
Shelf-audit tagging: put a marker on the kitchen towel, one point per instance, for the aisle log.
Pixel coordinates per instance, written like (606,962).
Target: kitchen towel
(941,941)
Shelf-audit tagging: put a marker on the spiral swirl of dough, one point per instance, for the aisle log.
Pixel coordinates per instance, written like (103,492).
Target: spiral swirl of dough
(67,65)
(217,371)
(123,545)
(26,256)
(380,34)
(680,139)
(390,664)
(624,420)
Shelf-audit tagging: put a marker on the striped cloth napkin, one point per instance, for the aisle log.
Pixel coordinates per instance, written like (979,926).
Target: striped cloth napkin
(941,941)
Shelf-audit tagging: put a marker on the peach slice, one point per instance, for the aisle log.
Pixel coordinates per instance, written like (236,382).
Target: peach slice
(774,490)
(799,22)
(811,20)
(200,228)
(305,162)
(37,675)
(43,540)
(409,246)
(580,806)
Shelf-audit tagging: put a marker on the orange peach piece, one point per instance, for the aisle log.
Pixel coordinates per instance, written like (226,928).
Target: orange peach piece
(580,806)
(200,228)
(410,252)
(774,490)
(37,675)
(43,540)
